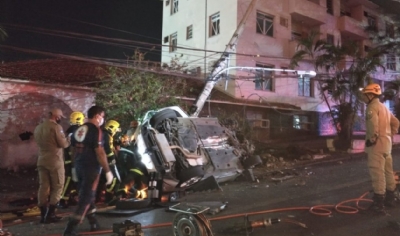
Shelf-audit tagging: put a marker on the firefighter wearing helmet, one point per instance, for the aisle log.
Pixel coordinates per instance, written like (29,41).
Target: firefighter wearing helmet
(76,119)
(110,129)
(381,125)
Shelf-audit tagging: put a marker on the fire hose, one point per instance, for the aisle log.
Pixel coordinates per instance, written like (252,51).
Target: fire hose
(320,210)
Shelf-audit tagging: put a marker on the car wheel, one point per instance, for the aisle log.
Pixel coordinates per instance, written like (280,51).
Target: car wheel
(162,115)
(190,176)
(251,161)
(132,204)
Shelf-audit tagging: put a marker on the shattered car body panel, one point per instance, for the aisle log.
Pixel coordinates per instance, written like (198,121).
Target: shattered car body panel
(182,150)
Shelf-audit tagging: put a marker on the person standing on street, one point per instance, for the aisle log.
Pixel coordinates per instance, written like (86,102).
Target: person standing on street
(89,158)
(381,125)
(51,140)
(76,119)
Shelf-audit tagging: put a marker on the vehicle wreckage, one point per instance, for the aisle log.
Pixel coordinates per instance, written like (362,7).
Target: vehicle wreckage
(177,152)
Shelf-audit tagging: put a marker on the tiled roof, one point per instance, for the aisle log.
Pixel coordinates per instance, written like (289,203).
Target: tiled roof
(56,71)
(75,72)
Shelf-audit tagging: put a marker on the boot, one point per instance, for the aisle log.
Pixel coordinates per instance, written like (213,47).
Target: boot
(70,230)
(43,211)
(51,215)
(390,199)
(94,224)
(377,206)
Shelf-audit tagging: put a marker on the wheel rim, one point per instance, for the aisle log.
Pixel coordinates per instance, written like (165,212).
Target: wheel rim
(187,225)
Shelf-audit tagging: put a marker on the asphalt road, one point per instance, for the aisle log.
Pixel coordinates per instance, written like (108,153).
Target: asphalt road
(327,183)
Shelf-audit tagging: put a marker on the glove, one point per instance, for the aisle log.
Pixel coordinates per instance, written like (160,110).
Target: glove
(109,177)
(74,175)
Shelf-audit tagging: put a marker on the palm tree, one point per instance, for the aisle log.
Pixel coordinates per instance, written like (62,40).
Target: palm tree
(340,79)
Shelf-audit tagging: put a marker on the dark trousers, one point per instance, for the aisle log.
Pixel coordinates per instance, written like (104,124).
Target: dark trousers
(87,185)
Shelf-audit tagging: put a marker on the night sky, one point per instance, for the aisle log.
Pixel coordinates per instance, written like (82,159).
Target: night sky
(38,24)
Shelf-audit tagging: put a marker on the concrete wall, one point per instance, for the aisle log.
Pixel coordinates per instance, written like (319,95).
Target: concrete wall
(23,105)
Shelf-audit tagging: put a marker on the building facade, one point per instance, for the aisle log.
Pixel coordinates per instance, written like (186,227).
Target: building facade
(198,31)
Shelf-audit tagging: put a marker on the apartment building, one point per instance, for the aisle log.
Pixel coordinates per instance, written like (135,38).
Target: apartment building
(197,30)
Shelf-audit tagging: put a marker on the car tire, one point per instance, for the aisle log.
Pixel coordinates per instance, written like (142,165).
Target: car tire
(162,115)
(251,161)
(132,204)
(189,176)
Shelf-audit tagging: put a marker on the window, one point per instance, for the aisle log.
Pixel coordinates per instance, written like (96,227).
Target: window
(265,24)
(173,43)
(166,39)
(371,21)
(389,30)
(189,32)
(296,35)
(305,86)
(330,39)
(264,78)
(301,122)
(174,6)
(391,62)
(284,22)
(329,6)
(214,24)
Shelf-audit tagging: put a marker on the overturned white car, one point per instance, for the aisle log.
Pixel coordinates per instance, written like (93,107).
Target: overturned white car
(180,151)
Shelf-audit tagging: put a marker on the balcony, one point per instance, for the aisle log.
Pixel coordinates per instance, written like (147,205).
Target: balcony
(367,3)
(351,28)
(307,12)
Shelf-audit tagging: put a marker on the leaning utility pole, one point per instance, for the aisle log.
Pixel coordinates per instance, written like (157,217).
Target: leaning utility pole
(222,64)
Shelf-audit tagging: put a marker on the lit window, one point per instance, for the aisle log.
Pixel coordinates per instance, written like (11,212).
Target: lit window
(174,6)
(173,43)
(189,32)
(265,24)
(264,79)
(305,86)
(214,24)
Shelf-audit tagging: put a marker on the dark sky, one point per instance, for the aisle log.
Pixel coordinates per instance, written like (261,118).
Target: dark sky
(36,25)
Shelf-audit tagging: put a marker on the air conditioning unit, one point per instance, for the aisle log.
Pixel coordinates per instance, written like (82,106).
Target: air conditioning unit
(260,123)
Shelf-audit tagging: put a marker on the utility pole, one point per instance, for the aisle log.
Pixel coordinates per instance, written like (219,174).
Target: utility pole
(222,64)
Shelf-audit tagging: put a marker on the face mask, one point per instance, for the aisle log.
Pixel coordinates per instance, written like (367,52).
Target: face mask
(101,121)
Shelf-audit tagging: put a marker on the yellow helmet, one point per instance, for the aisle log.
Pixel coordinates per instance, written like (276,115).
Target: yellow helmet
(76,118)
(112,126)
(372,88)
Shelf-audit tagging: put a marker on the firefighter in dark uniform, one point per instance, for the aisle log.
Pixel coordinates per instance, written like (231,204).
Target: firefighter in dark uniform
(76,119)
(110,129)
(89,158)
(134,174)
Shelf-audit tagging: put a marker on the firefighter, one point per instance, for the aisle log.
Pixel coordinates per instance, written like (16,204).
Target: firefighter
(134,174)
(76,119)
(110,129)
(381,125)
(131,131)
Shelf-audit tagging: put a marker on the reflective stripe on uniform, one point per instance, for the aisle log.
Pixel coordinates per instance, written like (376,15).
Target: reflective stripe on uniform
(136,171)
(110,154)
(66,186)
(67,162)
(112,185)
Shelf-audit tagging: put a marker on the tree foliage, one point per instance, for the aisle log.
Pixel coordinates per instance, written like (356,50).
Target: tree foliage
(127,93)
(341,70)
